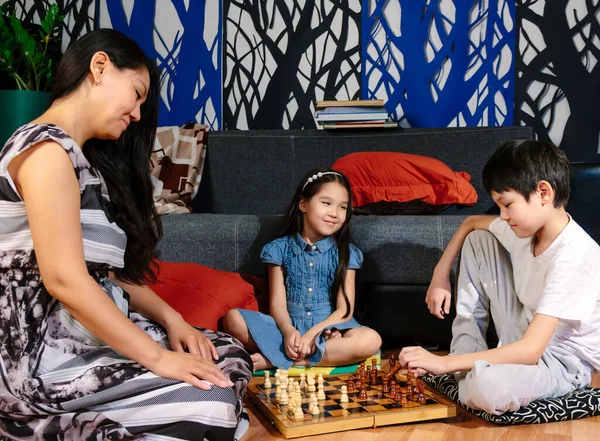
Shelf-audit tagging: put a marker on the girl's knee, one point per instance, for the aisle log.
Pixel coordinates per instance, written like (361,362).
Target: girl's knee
(232,321)
(370,341)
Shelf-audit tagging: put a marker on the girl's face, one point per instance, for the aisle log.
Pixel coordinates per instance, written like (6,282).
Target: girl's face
(324,213)
(118,100)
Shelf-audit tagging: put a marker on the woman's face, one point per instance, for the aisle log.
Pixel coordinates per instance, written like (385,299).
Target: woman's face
(122,92)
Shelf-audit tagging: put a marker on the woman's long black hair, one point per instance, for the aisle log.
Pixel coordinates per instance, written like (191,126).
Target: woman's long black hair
(124,163)
(294,223)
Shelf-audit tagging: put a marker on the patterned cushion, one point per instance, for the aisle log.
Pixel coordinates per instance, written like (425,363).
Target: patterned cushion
(578,404)
(176,166)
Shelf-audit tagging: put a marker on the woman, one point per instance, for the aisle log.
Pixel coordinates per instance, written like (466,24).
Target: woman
(88,351)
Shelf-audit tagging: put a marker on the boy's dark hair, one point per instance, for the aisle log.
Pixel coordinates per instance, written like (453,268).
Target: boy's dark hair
(520,165)
(125,163)
(294,223)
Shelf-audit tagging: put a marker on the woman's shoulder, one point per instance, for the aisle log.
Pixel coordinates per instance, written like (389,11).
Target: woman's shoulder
(32,134)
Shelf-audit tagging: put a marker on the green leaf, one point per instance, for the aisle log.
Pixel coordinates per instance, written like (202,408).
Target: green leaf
(46,25)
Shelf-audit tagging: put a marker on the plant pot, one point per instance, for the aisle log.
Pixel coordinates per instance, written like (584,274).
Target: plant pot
(19,107)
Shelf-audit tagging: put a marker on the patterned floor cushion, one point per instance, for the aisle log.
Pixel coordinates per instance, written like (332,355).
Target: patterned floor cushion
(579,404)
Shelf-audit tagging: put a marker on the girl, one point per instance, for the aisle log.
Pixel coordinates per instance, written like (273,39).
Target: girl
(87,350)
(312,270)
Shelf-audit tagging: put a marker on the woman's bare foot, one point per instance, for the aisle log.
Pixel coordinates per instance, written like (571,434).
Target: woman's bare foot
(260,361)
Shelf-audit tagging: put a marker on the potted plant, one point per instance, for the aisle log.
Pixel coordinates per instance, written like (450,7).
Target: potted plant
(28,55)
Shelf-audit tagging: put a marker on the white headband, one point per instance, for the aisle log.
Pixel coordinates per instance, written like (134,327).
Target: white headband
(317,176)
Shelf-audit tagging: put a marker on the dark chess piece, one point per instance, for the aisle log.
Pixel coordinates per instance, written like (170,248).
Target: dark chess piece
(351,384)
(386,387)
(421,398)
(363,392)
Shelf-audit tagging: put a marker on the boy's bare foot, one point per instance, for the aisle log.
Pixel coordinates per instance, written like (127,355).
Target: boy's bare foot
(260,361)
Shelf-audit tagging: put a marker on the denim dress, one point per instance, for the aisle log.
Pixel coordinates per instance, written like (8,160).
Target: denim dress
(308,272)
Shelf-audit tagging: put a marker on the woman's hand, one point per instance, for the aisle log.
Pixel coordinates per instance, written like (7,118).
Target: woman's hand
(291,343)
(189,368)
(183,336)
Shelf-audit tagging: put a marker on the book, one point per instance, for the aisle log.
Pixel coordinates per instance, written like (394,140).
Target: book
(353,109)
(352,116)
(349,103)
(362,125)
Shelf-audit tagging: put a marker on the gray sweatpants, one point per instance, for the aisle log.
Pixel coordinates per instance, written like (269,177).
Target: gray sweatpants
(486,286)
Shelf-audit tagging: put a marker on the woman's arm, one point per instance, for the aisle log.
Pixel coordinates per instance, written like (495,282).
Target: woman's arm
(145,301)
(181,334)
(46,180)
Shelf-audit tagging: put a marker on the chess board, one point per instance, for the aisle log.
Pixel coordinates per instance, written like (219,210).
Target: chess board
(377,410)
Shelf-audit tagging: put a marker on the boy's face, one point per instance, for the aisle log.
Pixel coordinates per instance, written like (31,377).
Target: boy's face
(524,217)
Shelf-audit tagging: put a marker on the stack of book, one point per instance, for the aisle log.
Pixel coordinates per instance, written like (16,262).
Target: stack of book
(353,114)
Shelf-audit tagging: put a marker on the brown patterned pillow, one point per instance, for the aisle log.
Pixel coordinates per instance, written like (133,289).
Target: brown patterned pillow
(176,166)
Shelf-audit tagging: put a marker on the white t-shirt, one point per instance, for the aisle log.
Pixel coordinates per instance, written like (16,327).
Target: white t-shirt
(562,282)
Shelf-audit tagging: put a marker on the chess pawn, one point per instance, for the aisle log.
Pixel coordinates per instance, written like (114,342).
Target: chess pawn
(313,398)
(344,397)
(315,410)
(298,413)
(283,400)
(277,393)
(321,394)
(303,383)
(421,398)
(267,384)
(363,392)
(403,400)
(386,387)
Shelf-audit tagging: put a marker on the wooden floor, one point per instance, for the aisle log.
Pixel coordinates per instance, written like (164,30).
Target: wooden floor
(463,427)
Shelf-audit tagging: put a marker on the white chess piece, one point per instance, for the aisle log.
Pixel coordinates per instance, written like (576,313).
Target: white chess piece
(344,397)
(290,387)
(320,381)
(311,384)
(277,393)
(283,400)
(315,410)
(303,383)
(298,413)
(267,380)
(277,378)
(321,393)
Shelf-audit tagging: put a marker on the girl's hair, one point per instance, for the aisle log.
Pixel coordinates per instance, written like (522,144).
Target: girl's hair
(294,223)
(124,163)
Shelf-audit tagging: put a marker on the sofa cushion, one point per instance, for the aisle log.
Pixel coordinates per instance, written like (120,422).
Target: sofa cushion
(402,178)
(203,295)
(176,165)
(578,404)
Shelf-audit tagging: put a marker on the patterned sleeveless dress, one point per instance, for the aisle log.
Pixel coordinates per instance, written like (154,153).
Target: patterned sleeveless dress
(58,380)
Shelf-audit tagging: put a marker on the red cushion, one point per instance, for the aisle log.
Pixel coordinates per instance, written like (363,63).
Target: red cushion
(402,177)
(203,295)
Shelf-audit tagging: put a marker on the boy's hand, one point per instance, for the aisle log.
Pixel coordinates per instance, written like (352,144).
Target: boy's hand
(438,297)
(419,360)
(291,343)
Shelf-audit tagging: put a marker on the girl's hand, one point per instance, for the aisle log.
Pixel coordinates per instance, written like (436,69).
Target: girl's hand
(291,343)
(183,336)
(438,297)
(307,344)
(421,361)
(189,368)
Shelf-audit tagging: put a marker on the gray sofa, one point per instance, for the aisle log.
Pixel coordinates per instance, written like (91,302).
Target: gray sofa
(249,178)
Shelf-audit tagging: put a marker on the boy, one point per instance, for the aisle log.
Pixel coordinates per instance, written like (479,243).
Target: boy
(537,274)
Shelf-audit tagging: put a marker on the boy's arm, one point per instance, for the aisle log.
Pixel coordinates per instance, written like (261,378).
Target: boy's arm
(528,351)
(438,295)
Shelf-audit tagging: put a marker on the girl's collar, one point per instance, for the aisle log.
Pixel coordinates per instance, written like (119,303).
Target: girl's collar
(322,245)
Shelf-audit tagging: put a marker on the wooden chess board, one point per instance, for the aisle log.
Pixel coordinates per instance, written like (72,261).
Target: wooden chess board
(377,410)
